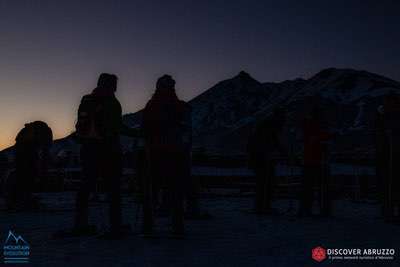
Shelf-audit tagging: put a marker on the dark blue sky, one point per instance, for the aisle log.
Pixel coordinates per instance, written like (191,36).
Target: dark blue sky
(52,51)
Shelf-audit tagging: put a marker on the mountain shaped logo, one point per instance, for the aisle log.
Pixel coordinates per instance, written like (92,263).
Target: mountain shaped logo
(18,240)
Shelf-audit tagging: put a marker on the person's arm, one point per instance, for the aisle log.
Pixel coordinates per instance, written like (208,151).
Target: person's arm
(187,126)
(119,126)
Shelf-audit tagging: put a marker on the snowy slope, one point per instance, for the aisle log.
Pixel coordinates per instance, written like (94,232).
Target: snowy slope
(348,100)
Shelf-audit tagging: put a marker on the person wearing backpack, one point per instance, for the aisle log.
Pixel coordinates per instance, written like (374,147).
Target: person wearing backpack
(32,146)
(3,171)
(98,128)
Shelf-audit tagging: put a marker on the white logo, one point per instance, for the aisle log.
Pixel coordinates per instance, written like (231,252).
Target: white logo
(15,249)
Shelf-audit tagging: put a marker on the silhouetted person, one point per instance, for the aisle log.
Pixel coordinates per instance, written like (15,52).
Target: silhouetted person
(31,155)
(263,144)
(98,129)
(163,126)
(315,152)
(192,185)
(388,155)
(382,161)
(3,171)
(140,164)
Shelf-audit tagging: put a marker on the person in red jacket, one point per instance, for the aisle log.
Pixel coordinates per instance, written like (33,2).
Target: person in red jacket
(163,129)
(315,139)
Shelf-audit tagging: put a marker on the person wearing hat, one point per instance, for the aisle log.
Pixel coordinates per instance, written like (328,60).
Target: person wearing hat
(98,130)
(164,130)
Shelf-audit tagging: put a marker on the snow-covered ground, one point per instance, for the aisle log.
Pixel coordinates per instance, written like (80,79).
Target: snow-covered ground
(233,237)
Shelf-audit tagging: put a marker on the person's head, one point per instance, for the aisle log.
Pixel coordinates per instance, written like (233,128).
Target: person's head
(107,81)
(315,113)
(279,114)
(165,82)
(391,102)
(43,133)
(276,120)
(36,132)
(312,105)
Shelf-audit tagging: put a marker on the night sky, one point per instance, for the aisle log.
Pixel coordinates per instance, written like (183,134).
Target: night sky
(51,52)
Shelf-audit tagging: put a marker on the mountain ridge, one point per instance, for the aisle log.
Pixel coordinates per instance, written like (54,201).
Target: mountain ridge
(224,114)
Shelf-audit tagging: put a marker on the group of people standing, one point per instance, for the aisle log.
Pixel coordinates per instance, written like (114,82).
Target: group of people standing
(266,142)
(166,165)
(166,129)
(266,148)
(165,168)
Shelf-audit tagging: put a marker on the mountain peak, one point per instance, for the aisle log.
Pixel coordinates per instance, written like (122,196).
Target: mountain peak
(244,76)
(353,74)
(328,72)
(242,73)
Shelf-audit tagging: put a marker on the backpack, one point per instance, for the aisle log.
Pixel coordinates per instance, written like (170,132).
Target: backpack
(37,133)
(90,119)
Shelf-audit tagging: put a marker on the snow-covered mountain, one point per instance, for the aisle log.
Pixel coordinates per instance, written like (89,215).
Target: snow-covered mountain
(224,115)
(227,103)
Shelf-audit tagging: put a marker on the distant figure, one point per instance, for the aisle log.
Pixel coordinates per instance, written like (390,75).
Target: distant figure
(3,171)
(98,128)
(31,156)
(192,186)
(315,154)
(140,164)
(163,127)
(263,144)
(382,162)
(388,156)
